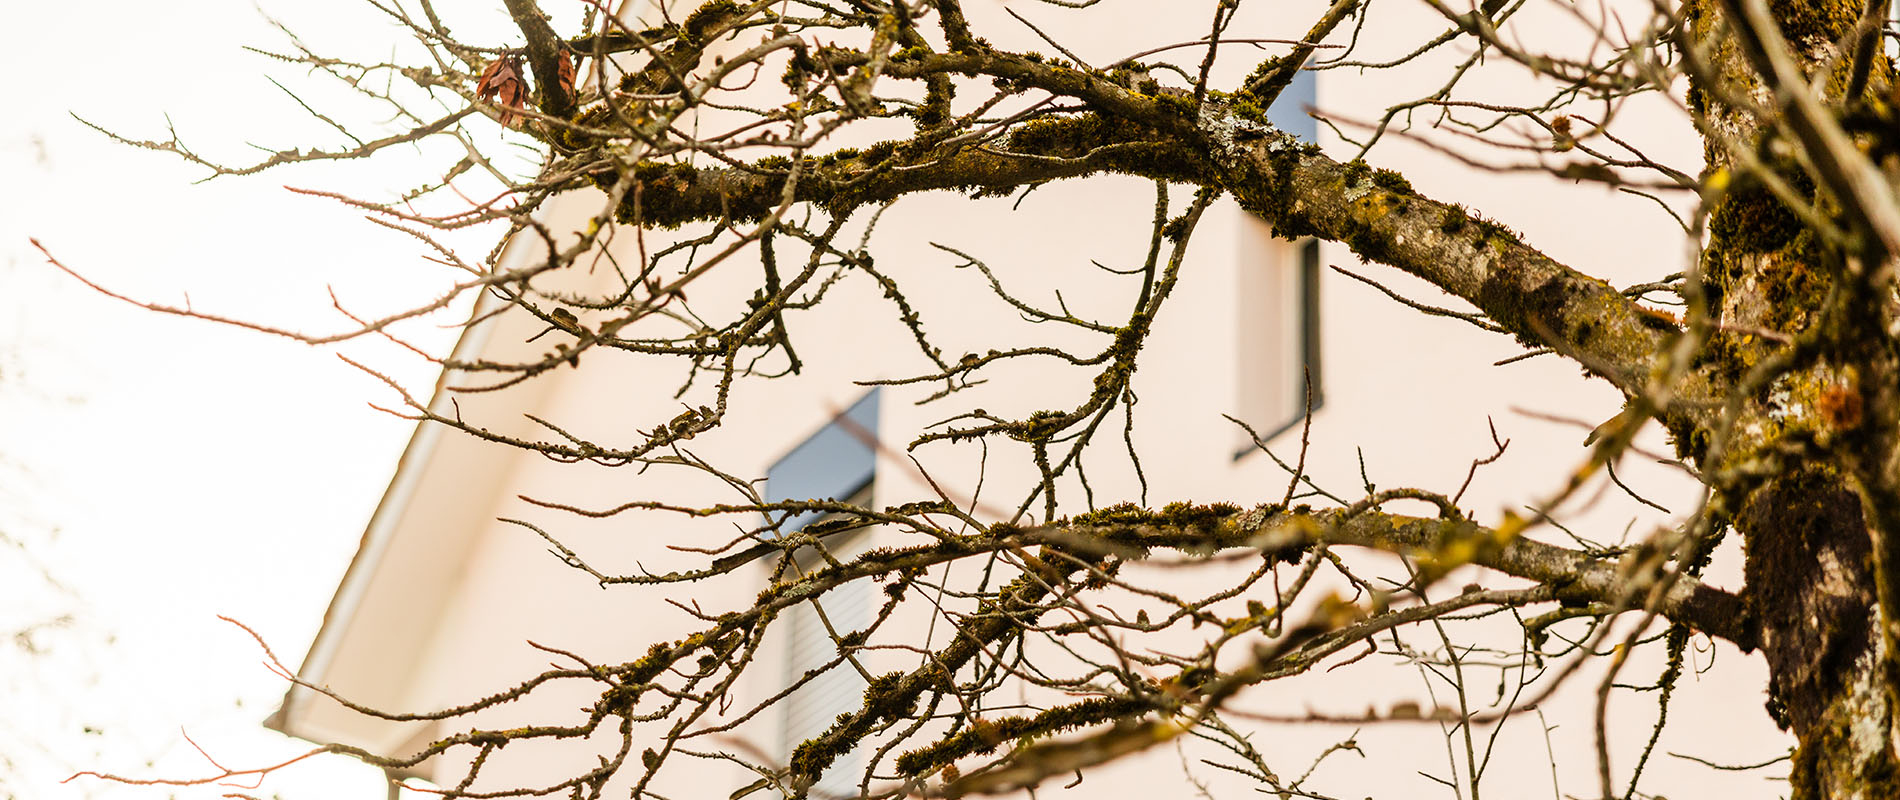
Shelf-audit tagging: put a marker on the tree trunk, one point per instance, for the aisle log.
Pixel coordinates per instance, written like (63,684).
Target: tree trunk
(1808,449)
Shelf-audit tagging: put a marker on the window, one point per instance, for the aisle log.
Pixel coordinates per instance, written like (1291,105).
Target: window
(1278,316)
(1279,330)
(835,463)
(1288,112)
(839,461)
(811,643)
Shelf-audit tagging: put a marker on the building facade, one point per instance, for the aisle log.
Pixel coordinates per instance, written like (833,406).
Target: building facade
(448,588)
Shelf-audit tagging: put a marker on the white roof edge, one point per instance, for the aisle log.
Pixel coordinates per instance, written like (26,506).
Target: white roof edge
(383,521)
(395,500)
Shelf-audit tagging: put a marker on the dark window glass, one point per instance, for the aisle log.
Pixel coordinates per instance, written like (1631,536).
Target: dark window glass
(835,463)
(1288,112)
(1309,329)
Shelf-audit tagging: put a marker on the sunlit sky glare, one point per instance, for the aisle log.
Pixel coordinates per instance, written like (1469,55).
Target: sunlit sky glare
(157,472)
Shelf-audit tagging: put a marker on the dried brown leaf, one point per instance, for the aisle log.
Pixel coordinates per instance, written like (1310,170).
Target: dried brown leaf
(565,74)
(503,84)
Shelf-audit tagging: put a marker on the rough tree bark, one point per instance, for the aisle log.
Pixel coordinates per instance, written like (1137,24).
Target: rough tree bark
(1812,453)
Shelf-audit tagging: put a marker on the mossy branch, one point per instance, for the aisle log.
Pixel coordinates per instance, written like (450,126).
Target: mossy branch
(545,54)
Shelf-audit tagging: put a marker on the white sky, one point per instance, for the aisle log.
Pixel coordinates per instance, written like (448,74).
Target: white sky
(156,472)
